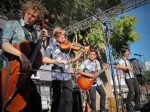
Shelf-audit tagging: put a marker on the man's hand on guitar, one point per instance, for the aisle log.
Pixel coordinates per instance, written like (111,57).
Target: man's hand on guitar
(26,64)
(90,75)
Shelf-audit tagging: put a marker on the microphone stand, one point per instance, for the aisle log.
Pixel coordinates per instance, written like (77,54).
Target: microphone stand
(112,71)
(141,60)
(144,63)
(108,29)
(119,82)
(119,85)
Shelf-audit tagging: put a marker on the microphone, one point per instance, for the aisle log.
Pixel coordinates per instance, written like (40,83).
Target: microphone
(138,54)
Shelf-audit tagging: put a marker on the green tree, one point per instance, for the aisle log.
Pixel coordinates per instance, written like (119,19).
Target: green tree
(66,12)
(125,26)
(145,79)
(93,36)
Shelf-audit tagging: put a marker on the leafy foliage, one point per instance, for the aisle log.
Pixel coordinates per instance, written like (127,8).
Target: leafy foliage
(13,3)
(106,4)
(124,26)
(66,12)
(93,36)
(147,73)
(145,80)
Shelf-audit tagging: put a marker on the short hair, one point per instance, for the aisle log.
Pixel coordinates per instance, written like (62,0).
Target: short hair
(124,50)
(93,50)
(36,6)
(57,31)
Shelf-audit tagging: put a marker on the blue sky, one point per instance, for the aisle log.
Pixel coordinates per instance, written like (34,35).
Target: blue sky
(142,46)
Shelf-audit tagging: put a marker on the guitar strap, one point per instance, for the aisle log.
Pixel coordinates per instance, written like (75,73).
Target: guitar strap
(96,67)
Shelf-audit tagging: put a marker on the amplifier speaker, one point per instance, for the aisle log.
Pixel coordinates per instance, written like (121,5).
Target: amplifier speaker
(77,102)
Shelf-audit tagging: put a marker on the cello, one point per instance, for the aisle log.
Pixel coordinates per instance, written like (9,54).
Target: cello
(17,92)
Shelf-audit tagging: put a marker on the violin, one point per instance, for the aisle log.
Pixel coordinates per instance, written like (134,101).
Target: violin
(66,45)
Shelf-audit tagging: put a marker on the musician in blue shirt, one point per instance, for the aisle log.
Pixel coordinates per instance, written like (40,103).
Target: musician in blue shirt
(60,58)
(88,65)
(14,33)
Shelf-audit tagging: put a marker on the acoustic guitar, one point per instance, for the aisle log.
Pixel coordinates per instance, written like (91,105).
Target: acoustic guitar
(85,82)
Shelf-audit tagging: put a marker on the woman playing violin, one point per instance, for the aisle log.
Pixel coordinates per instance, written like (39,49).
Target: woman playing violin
(13,33)
(61,60)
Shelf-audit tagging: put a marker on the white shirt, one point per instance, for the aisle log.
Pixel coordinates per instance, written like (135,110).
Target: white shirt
(125,62)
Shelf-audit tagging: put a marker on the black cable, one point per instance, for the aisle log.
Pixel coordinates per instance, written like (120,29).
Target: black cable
(119,85)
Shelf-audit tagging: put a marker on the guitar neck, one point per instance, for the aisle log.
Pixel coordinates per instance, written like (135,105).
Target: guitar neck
(97,73)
